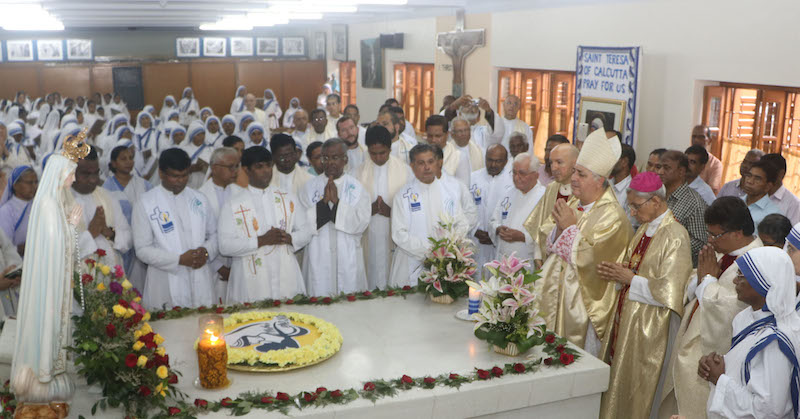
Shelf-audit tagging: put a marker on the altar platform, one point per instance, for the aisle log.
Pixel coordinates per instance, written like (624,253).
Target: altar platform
(385,338)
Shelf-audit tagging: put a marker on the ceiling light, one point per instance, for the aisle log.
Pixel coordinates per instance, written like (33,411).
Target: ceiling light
(228,23)
(304,6)
(27,17)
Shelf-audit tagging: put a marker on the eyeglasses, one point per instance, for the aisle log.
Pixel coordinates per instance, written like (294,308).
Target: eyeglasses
(233,167)
(320,118)
(637,207)
(338,158)
(712,236)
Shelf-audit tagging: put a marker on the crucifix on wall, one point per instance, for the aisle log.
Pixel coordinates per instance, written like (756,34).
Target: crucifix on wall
(458,44)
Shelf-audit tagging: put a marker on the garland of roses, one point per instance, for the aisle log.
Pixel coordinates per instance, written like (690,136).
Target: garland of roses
(559,355)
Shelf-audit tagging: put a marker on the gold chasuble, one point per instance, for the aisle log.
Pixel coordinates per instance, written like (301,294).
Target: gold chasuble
(642,332)
(539,222)
(573,294)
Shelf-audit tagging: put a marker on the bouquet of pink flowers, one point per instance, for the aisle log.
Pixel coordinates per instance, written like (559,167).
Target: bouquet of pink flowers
(448,263)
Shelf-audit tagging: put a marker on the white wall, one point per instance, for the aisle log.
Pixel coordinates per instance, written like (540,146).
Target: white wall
(419,47)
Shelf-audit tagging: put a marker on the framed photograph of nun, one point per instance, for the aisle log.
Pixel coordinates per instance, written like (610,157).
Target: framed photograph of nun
(608,114)
(187,47)
(214,47)
(241,47)
(79,49)
(19,50)
(50,49)
(294,46)
(267,47)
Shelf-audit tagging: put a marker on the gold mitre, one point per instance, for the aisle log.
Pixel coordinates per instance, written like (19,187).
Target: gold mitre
(75,147)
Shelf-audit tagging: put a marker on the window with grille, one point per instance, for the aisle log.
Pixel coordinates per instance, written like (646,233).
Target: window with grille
(741,117)
(547,98)
(413,89)
(347,74)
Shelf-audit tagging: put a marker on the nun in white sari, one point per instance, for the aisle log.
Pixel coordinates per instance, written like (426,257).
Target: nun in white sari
(188,107)
(199,152)
(15,207)
(214,134)
(38,372)
(167,107)
(272,109)
(146,138)
(288,116)
(237,106)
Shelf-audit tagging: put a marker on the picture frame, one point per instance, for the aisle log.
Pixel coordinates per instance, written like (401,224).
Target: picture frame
(267,47)
(215,47)
(339,42)
(19,50)
(50,49)
(293,46)
(319,46)
(611,112)
(241,46)
(79,49)
(187,47)
(371,63)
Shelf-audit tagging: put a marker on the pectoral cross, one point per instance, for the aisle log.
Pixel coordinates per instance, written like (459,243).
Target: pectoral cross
(458,44)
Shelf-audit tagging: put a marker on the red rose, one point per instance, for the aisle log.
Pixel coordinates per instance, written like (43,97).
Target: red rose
(290,301)
(86,278)
(519,368)
(351,298)
(276,303)
(201,308)
(560,348)
(174,411)
(247,304)
(149,364)
(327,300)
(566,358)
(282,396)
(173,379)
(130,360)
(313,299)
(122,303)
(407,380)
(90,261)
(101,252)
(429,380)
(390,293)
(220,309)
(144,391)
(336,394)
(548,361)
(161,315)
(267,400)
(550,338)
(367,294)
(10,409)
(454,376)
(497,371)
(200,403)
(176,308)
(406,287)
(483,374)
(369,386)
(226,402)
(321,390)
(309,397)
(111,330)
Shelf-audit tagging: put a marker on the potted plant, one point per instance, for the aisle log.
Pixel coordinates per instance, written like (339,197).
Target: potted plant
(448,264)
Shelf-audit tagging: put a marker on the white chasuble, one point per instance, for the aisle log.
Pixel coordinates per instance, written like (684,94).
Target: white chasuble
(165,226)
(333,262)
(416,212)
(383,181)
(270,271)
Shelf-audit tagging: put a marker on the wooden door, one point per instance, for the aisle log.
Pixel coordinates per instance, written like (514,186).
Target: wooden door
(213,85)
(304,80)
(770,117)
(562,104)
(162,79)
(258,76)
(18,77)
(347,74)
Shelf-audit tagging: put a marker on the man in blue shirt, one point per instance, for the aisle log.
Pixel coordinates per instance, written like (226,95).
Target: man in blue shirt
(757,183)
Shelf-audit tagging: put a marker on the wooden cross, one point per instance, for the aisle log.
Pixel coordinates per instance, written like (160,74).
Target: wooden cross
(458,44)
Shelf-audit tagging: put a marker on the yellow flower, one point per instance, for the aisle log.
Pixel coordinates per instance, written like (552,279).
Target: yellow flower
(137,334)
(160,387)
(163,393)
(146,329)
(142,361)
(129,313)
(161,351)
(126,285)
(137,299)
(158,339)
(162,372)
(119,310)
(146,316)
(105,269)
(138,345)
(101,287)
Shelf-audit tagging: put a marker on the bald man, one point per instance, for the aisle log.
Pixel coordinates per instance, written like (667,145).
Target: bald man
(512,124)
(300,133)
(712,174)
(562,164)
(258,114)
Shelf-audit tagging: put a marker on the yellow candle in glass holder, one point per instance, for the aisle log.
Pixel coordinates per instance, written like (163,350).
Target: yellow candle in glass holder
(212,359)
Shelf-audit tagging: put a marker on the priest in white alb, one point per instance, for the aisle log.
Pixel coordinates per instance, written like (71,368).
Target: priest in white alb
(175,235)
(512,124)
(289,176)
(471,152)
(418,207)
(436,129)
(488,186)
(382,176)
(339,205)
(261,227)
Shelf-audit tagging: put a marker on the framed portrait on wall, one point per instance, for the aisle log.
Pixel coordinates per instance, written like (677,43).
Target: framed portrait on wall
(371,63)
(50,49)
(267,47)
(187,47)
(339,42)
(241,47)
(20,50)
(319,46)
(79,49)
(293,46)
(214,47)
(609,112)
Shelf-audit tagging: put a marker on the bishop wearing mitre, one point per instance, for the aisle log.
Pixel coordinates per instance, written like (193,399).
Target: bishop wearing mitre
(588,229)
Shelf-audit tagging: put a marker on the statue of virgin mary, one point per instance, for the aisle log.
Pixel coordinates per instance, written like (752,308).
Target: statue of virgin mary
(38,371)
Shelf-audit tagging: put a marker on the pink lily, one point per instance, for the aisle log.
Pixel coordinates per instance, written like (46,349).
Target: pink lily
(517,288)
(438,286)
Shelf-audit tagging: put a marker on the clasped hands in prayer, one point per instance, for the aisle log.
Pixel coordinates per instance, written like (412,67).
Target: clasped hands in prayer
(331,193)
(274,237)
(381,207)
(710,367)
(564,216)
(194,258)
(98,226)
(707,263)
(617,272)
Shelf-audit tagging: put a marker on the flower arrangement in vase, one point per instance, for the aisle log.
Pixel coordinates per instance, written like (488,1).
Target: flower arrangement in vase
(448,264)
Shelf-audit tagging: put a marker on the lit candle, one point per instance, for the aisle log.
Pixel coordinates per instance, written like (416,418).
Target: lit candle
(212,354)
(474,301)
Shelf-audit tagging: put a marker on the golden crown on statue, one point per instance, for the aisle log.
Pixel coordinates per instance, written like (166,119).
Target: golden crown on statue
(75,147)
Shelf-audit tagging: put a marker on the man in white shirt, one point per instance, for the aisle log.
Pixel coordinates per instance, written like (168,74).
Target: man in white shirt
(391,121)
(261,228)
(779,195)
(736,186)
(289,177)
(488,186)
(339,206)
(175,235)
(511,107)
(621,179)
(471,152)
(351,110)
(505,226)
(224,168)
(436,130)
(102,226)
(322,129)
(301,128)
(356,152)
(698,159)
(258,114)
(333,107)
